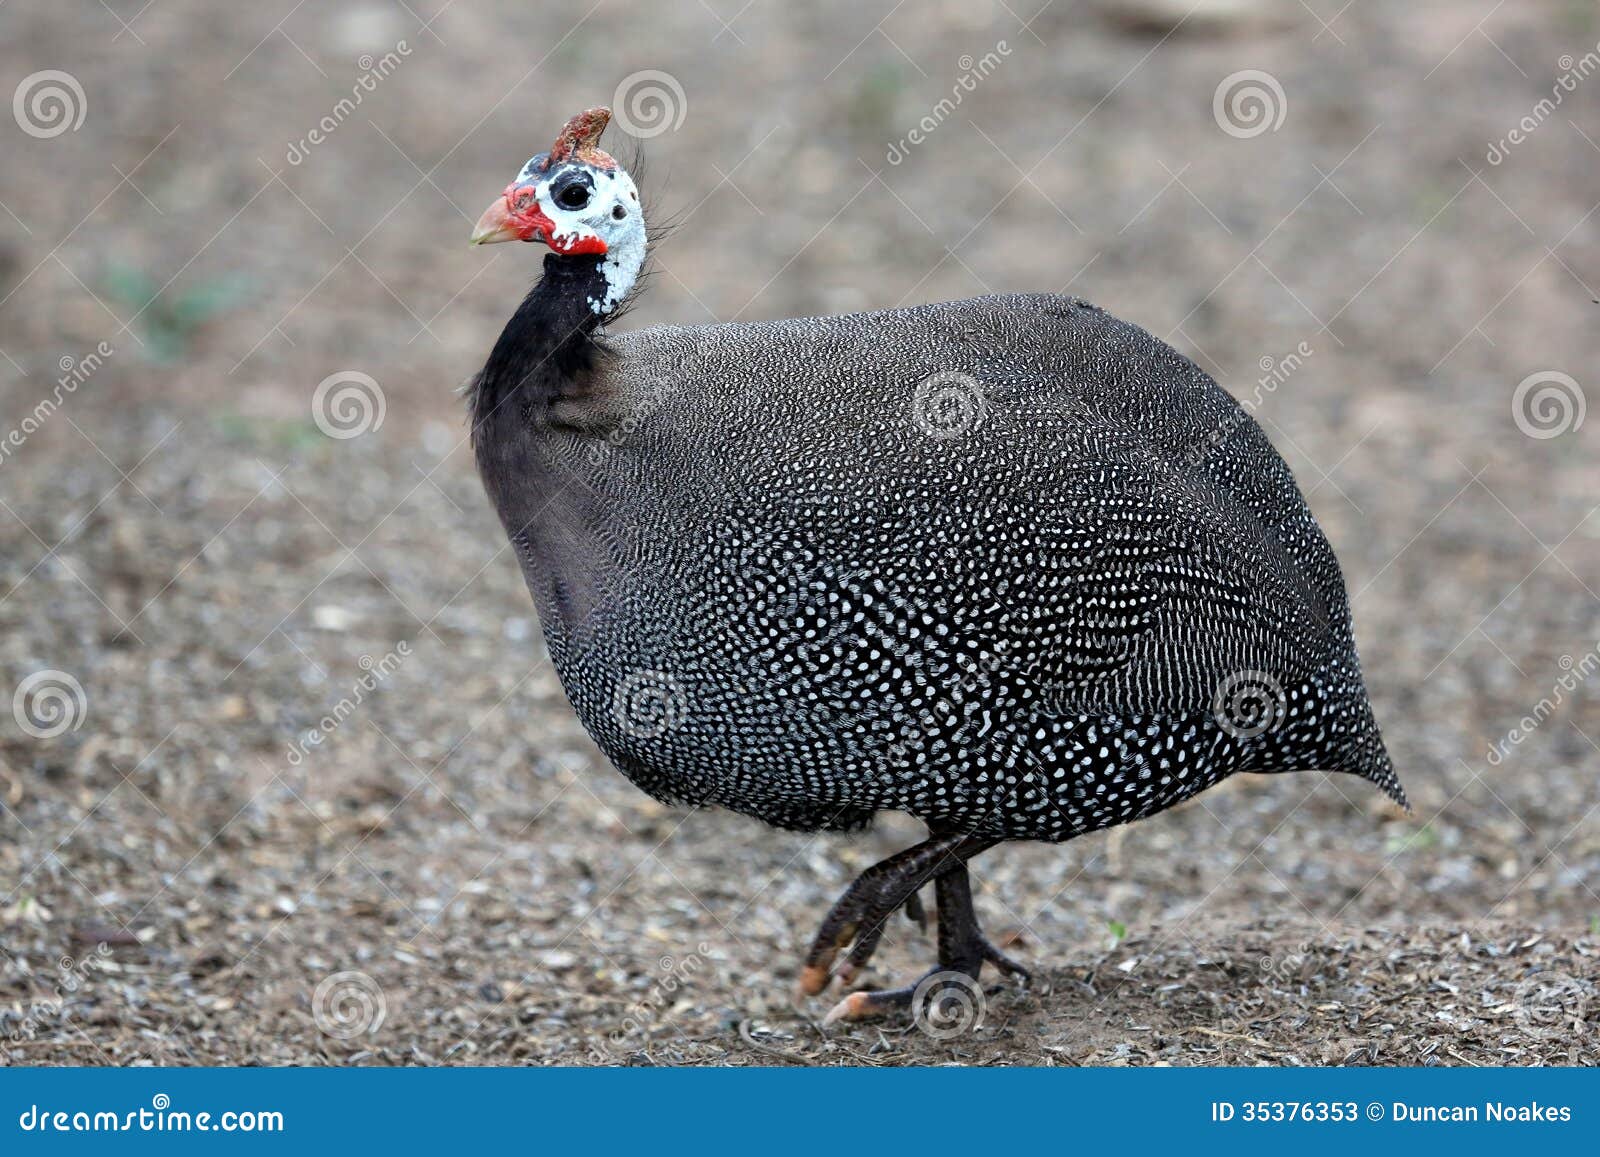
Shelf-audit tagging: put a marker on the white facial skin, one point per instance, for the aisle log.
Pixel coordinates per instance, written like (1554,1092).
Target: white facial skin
(611,214)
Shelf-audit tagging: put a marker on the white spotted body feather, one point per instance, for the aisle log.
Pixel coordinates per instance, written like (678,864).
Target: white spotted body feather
(772,578)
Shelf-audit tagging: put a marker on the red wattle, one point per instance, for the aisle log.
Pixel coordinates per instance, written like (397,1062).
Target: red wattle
(547,228)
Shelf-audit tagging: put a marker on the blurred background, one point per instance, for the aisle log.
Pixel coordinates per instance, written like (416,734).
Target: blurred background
(236,506)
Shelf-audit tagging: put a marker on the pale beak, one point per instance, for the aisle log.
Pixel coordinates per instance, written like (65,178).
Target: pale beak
(495,225)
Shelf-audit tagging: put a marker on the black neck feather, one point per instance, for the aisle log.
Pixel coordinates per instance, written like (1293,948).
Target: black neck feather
(547,351)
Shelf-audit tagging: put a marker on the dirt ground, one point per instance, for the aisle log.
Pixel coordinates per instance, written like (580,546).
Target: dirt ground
(194,574)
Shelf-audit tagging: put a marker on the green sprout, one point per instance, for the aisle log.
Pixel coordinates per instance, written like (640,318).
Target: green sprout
(168,318)
(1423,837)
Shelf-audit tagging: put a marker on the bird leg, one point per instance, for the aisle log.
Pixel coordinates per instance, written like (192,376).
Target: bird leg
(962,945)
(858,920)
(963,951)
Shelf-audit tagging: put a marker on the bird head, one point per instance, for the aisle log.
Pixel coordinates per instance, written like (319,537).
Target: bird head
(574,198)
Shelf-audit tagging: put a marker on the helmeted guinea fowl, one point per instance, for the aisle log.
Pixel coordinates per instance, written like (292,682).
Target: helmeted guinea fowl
(1009,565)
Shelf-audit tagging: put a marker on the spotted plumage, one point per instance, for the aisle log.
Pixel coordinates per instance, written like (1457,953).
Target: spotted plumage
(1009,565)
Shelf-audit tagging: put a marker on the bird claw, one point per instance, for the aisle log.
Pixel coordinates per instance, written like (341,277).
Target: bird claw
(915,912)
(868,1005)
(814,980)
(1004,963)
(861,937)
(846,1009)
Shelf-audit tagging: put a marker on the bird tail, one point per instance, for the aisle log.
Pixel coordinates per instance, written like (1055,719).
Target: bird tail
(1369,758)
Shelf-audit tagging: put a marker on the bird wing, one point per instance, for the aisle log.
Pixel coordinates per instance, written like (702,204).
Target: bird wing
(1103,524)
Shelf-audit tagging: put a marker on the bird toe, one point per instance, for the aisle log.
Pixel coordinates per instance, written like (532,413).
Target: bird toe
(814,980)
(856,1006)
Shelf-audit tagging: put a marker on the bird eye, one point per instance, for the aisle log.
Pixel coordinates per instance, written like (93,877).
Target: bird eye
(573,197)
(618,212)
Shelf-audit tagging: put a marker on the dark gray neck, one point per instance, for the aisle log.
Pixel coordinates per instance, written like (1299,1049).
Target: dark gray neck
(547,351)
(529,409)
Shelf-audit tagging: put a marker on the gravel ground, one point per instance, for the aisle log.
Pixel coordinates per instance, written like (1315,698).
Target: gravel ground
(454,874)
